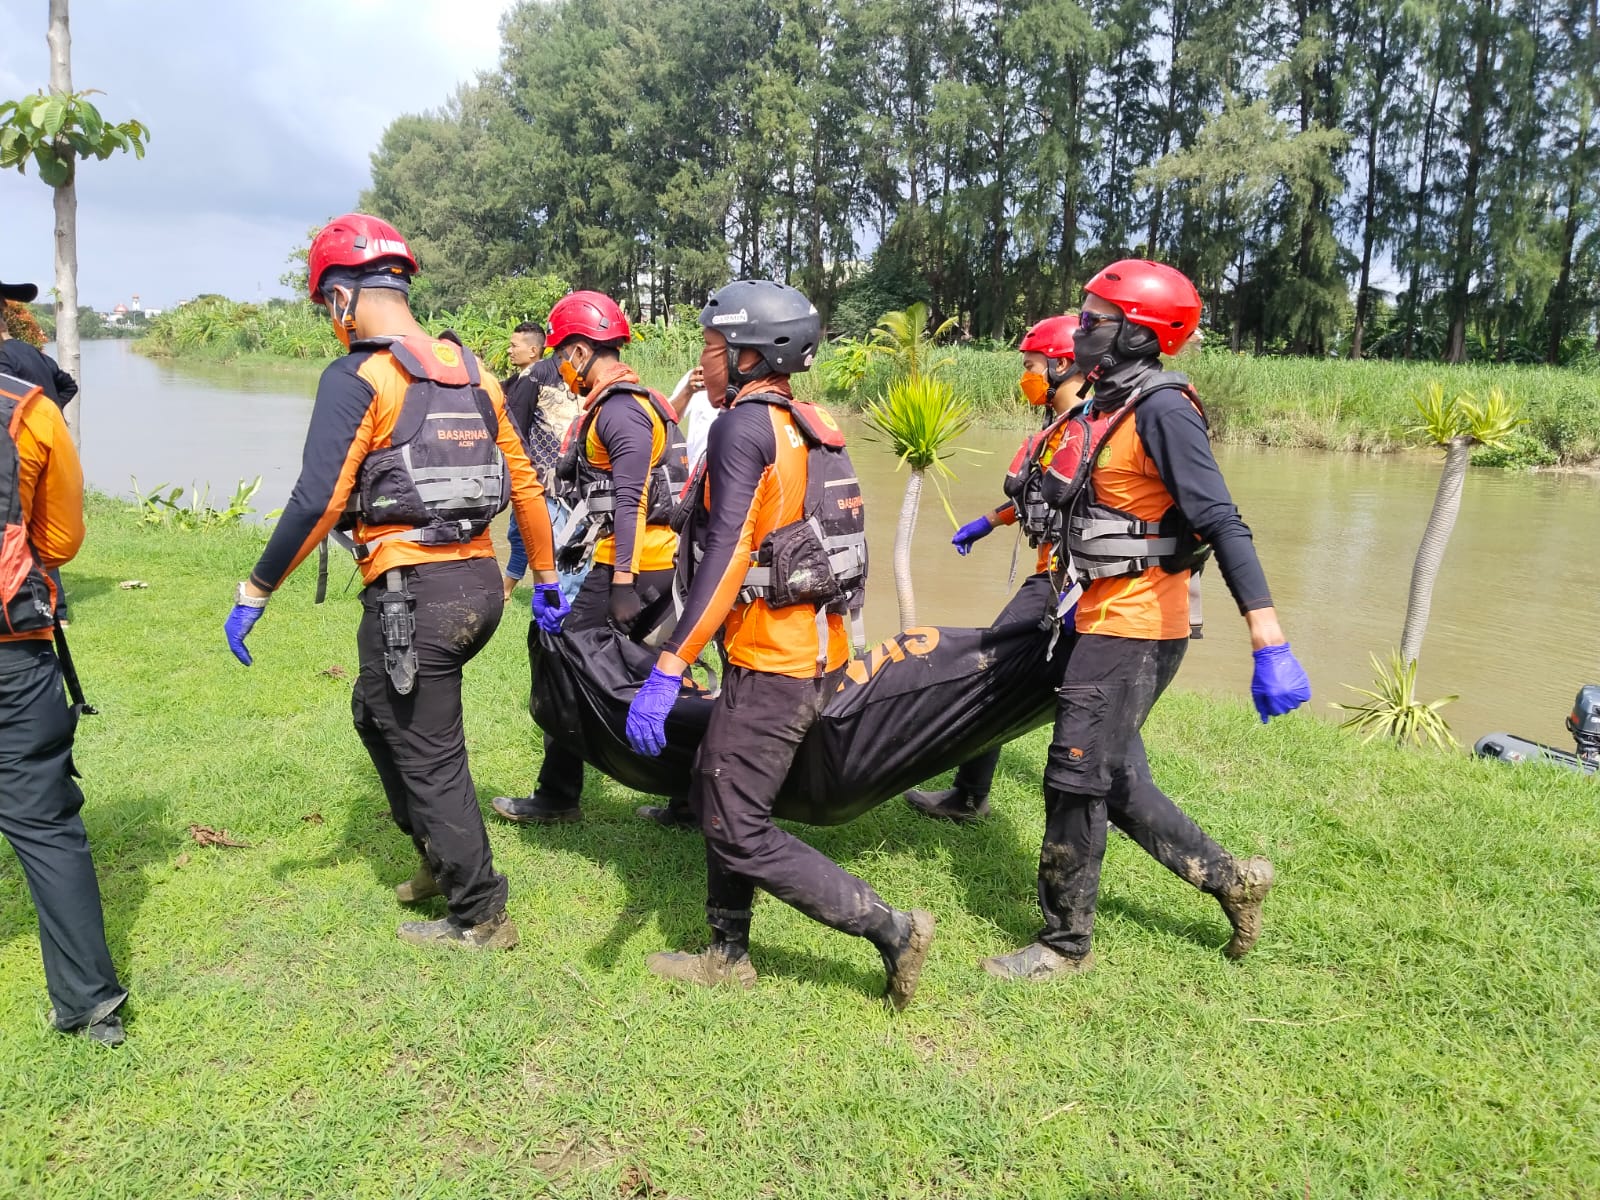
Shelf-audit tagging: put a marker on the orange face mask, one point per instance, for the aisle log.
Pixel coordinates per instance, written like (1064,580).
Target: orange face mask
(1036,388)
(573,380)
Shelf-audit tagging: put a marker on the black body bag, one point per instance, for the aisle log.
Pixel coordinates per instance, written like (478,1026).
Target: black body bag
(919,704)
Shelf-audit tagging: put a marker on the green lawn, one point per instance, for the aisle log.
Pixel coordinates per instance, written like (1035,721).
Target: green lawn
(1419,1020)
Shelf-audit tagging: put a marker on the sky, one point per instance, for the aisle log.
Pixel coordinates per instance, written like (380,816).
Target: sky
(262,117)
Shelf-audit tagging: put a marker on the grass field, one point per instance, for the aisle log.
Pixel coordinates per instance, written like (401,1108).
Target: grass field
(1420,1019)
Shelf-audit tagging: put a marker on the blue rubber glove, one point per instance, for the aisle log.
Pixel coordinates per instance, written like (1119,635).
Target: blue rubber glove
(647,715)
(550,607)
(1279,684)
(971,532)
(238,626)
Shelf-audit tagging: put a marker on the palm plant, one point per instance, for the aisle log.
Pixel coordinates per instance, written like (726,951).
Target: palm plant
(920,418)
(1458,425)
(904,335)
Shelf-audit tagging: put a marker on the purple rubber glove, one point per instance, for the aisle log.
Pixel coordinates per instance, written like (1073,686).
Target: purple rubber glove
(1279,684)
(550,607)
(238,626)
(971,532)
(647,715)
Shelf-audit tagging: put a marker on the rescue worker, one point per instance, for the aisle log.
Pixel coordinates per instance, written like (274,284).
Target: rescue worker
(1049,381)
(33,365)
(410,449)
(623,464)
(1144,503)
(41,505)
(772,464)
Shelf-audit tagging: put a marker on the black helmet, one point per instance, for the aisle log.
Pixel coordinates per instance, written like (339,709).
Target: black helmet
(766,316)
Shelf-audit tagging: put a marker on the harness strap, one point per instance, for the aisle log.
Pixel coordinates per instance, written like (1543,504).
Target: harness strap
(428,535)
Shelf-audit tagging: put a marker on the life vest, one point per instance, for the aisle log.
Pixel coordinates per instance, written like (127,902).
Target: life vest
(821,559)
(1024,487)
(442,472)
(591,491)
(1102,542)
(27,599)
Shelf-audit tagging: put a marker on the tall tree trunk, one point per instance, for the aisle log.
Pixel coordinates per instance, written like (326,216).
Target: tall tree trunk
(66,205)
(1446,506)
(1369,203)
(1561,297)
(1420,212)
(902,550)
(1479,92)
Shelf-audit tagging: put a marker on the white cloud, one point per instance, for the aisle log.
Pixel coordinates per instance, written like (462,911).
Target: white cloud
(262,119)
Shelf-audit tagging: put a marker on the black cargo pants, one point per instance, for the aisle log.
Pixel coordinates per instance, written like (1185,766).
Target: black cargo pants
(418,742)
(755,728)
(39,806)
(1097,767)
(561,772)
(1034,599)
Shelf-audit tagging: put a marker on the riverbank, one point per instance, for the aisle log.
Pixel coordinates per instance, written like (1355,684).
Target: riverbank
(1418,1019)
(1323,404)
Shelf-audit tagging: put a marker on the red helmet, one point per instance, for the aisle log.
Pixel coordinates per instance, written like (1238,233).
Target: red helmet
(1154,295)
(588,315)
(354,240)
(1052,337)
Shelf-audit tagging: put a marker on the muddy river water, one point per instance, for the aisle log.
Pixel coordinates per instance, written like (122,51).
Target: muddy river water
(1515,626)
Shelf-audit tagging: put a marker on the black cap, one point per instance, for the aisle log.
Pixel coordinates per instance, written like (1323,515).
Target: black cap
(25,293)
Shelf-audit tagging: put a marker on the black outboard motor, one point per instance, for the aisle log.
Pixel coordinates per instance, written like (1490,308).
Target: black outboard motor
(1583,724)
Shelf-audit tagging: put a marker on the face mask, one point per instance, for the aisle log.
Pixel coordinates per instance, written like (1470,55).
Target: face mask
(1091,345)
(571,375)
(1036,388)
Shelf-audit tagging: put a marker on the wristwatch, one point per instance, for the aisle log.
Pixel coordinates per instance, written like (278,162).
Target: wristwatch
(240,596)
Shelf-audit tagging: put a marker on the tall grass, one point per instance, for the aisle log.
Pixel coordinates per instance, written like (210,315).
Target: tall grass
(1318,403)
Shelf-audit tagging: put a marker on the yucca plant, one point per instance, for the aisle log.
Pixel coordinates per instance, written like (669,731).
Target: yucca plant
(1393,711)
(1457,424)
(920,418)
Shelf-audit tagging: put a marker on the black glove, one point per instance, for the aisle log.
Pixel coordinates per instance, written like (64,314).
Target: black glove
(624,607)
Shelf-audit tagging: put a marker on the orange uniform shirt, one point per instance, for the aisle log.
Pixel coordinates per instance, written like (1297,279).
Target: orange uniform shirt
(50,488)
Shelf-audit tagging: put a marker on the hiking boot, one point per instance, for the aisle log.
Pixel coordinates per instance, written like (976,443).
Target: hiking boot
(421,886)
(535,810)
(497,933)
(903,961)
(668,816)
(107,1030)
(952,804)
(721,964)
(1036,963)
(1241,903)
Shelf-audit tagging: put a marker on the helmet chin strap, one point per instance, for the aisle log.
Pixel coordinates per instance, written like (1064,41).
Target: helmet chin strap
(1095,374)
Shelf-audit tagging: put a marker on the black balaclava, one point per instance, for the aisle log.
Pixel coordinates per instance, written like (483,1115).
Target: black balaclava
(1116,356)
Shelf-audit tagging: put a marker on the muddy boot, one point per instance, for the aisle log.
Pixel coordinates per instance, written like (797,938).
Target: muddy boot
(903,958)
(668,816)
(107,1031)
(497,933)
(1241,903)
(534,810)
(421,886)
(721,964)
(1036,963)
(952,804)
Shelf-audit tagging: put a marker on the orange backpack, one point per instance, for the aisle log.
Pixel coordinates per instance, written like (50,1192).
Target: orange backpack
(27,598)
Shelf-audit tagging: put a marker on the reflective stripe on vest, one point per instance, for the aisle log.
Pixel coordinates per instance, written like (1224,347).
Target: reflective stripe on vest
(27,601)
